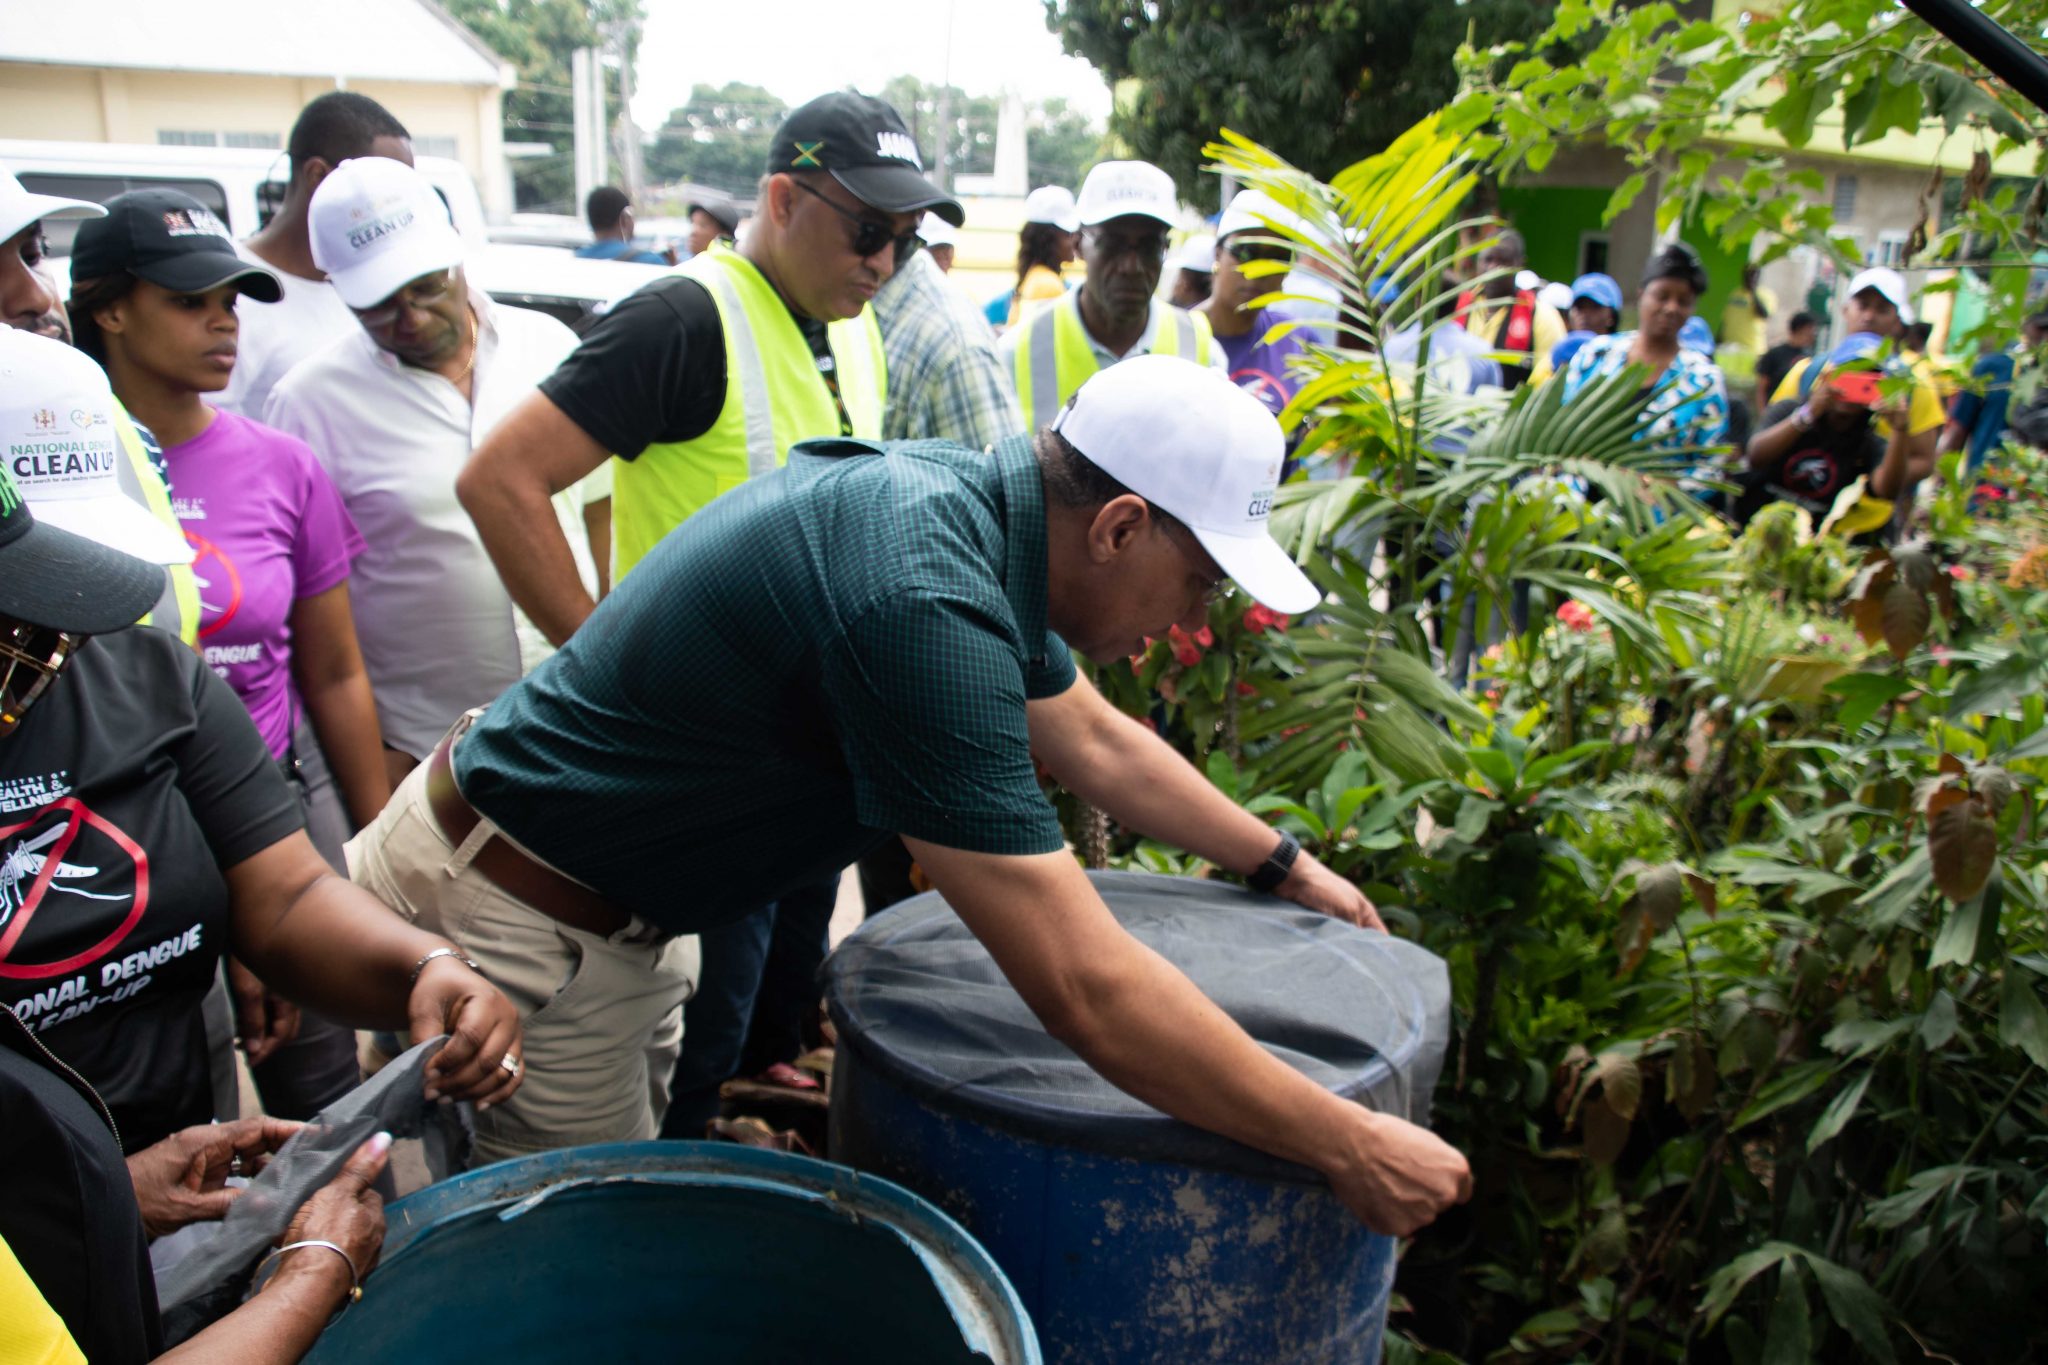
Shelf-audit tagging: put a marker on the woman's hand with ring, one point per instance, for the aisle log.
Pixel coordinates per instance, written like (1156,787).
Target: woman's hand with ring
(483,1034)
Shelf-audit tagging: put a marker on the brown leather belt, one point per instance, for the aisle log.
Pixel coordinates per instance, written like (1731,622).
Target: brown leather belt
(505,867)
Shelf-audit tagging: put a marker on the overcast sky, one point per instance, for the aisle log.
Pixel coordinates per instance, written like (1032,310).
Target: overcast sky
(801,48)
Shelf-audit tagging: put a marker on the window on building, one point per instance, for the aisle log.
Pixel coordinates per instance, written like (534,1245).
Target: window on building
(1594,248)
(58,232)
(268,142)
(1891,249)
(1845,198)
(175,137)
(436,145)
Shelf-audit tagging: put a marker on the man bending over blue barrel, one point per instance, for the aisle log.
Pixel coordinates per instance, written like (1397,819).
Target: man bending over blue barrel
(874,641)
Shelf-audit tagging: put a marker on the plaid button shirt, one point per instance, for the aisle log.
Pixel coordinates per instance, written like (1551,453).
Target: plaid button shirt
(829,654)
(945,381)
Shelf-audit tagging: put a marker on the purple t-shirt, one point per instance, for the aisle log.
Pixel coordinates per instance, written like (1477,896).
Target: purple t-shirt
(266,528)
(1260,368)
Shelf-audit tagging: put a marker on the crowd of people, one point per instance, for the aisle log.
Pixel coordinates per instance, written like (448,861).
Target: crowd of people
(375,655)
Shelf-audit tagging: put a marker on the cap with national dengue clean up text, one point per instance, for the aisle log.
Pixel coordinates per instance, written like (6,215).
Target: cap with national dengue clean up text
(1053,205)
(863,143)
(171,240)
(19,206)
(64,458)
(377,225)
(1116,188)
(1184,437)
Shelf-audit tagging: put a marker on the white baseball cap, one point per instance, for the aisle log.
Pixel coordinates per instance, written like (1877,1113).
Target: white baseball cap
(1256,211)
(936,231)
(1197,253)
(1116,188)
(376,226)
(1181,435)
(61,446)
(19,208)
(1890,283)
(1052,204)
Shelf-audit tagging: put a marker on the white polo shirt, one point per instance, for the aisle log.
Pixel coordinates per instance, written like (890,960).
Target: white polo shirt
(439,633)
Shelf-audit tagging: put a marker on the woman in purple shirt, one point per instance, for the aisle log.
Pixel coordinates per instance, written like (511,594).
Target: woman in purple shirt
(154,287)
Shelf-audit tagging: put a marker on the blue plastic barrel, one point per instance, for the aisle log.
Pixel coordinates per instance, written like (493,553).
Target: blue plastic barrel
(1132,1237)
(677,1251)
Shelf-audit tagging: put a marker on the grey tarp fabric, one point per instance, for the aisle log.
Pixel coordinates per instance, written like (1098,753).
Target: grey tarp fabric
(210,1281)
(1363,1014)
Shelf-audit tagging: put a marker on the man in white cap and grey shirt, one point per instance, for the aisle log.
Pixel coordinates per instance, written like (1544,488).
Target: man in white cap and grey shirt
(1126,210)
(877,638)
(393,409)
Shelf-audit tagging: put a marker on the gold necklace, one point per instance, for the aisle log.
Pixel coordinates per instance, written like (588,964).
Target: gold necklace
(475,344)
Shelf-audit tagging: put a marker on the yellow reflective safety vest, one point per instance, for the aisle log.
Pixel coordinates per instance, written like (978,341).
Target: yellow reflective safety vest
(774,398)
(1054,356)
(177,610)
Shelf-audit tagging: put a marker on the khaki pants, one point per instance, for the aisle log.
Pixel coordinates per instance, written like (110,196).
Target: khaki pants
(603,1017)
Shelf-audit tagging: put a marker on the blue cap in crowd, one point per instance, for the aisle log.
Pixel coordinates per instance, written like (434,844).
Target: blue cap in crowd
(1601,289)
(1853,347)
(1562,353)
(1697,336)
(1383,289)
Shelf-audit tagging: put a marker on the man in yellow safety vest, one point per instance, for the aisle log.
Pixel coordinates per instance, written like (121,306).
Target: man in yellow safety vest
(697,383)
(1126,209)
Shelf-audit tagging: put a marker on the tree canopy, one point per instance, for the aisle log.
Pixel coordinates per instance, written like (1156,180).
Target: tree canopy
(537,36)
(1321,84)
(719,137)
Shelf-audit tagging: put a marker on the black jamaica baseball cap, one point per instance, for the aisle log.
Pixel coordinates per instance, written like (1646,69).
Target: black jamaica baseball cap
(169,239)
(866,147)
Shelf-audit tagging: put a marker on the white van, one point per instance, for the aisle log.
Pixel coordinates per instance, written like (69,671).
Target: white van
(245,187)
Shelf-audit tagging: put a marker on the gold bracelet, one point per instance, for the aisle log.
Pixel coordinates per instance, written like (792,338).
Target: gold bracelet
(355,1283)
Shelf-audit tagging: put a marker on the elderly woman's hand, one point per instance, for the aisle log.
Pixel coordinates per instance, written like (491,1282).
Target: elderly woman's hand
(347,1212)
(480,1061)
(183,1179)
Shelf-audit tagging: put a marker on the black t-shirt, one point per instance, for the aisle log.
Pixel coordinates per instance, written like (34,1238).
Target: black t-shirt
(135,780)
(67,1209)
(653,369)
(1773,365)
(1823,461)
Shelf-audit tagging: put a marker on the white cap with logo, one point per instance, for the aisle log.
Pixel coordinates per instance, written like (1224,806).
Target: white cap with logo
(1116,188)
(1052,204)
(936,231)
(19,207)
(377,225)
(57,425)
(1887,282)
(1184,437)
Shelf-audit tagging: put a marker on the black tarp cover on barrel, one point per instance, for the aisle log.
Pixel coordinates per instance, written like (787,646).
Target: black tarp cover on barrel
(1361,1013)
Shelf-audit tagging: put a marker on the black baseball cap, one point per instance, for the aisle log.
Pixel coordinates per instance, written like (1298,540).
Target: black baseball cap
(169,239)
(59,581)
(866,147)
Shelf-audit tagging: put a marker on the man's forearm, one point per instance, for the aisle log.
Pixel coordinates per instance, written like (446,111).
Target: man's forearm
(1132,1015)
(516,521)
(1122,768)
(1769,446)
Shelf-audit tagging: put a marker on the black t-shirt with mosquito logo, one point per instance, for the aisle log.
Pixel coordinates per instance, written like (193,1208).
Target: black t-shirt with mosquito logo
(127,789)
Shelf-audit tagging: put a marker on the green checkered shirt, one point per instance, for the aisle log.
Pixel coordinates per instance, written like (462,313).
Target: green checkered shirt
(826,656)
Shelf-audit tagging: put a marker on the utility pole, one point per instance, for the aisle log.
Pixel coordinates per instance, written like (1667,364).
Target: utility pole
(940,175)
(621,36)
(586,97)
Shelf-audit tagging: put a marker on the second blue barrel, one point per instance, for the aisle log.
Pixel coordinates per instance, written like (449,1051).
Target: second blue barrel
(1129,1236)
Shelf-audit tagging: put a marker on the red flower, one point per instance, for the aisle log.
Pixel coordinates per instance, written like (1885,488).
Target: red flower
(1245,689)
(1962,573)
(1258,619)
(1577,616)
(1205,637)
(1185,648)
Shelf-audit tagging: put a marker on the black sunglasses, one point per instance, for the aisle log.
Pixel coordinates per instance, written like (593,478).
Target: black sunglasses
(869,236)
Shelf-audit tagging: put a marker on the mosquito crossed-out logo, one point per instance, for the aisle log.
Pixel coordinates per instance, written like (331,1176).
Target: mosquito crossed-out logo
(66,854)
